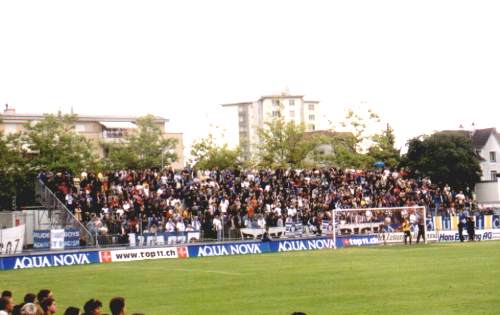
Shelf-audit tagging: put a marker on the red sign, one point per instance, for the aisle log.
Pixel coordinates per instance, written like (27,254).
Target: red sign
(106,257)
(182,252)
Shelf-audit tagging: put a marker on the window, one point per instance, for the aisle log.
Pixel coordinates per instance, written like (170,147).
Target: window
(276,102)
(311,117)
(494,175)
(312,127)
(311,106)
(292,113)
(291,102)
(493,156)
(276,114)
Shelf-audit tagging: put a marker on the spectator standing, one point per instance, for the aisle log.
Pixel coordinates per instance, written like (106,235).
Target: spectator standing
(217,226)
(72,311)
(6,305)
(28,298)
(92,307)
(470,228)
(30,309)
(117,306)
(421,227)
(462,222)
(49,306)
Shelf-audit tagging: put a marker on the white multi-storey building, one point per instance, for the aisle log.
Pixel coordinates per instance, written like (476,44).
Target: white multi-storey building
(486,142)
(253,115)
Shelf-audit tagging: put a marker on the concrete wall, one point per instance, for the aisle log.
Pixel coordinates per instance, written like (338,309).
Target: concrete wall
(488,192)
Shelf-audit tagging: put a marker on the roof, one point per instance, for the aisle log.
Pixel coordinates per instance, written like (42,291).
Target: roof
(281,96)
(236,104)
(481,136)
(270,97)
(478,137)
(28,117)
(118,124)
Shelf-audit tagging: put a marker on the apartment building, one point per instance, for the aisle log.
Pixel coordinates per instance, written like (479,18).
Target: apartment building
(99,129)
(253,115)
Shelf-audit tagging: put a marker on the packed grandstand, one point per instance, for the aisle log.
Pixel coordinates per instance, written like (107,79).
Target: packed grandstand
(134,201)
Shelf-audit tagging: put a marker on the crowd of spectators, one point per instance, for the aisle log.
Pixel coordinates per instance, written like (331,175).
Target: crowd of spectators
(132,201)
(44,303)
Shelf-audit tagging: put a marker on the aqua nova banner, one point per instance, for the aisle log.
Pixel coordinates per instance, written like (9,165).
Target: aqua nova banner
(49,260)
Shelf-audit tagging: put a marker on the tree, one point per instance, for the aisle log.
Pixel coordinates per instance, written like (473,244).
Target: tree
(8,173)
(445,157)
(384,149)
(284,144)
(144,148)
(208,155)
(53,144)
(348,148)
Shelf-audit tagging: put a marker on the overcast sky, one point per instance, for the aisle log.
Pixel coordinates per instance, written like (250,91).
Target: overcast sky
(422,65)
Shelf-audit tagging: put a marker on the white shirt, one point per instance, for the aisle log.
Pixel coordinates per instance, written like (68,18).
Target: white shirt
(224,204)
(277,210)
(217,224)
(261,223)
(169,227)
(180,226)
(413,218)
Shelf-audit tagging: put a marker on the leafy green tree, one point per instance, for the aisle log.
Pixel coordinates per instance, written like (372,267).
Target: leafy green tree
(143,148)
(383,148)
(446,157)
(208,155)
(358,124)
(8,173)
(284,144)
(53,144)
(348,148)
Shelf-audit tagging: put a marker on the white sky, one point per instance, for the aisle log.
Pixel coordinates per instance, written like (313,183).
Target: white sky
(422,65)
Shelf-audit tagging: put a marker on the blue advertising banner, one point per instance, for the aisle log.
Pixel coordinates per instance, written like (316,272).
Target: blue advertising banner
(49,260)
(496,221)
(479,222)
(71,237)
(243,248)
(430,224)
(41,239)
(303,244)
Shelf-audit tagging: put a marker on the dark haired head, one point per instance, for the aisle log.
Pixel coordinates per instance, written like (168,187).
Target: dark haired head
(6,293)
(91,305)
(29,298)
(72,311)
(46,303)
(116,305)
(42,295)
(6,304)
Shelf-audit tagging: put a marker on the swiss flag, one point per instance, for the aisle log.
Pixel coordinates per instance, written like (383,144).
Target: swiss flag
(182,252)
(106,257)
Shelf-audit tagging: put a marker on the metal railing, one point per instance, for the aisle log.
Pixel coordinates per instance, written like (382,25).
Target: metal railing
(57,214)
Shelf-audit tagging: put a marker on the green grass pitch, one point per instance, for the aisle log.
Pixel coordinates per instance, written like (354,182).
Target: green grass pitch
(426,279)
